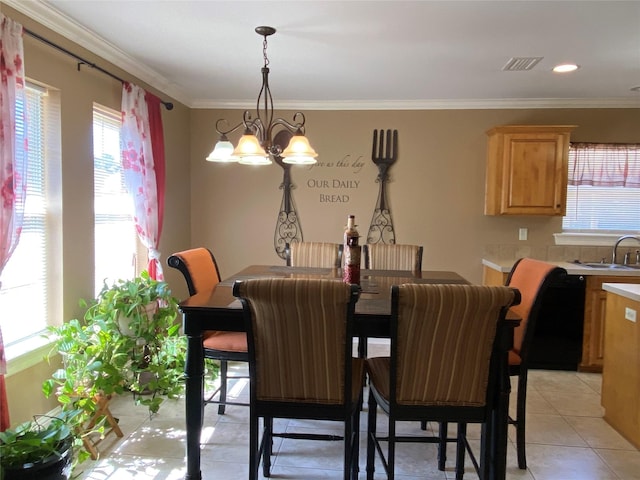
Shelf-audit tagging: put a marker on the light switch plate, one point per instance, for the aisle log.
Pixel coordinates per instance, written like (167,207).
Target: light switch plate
(630,314)
(523,233)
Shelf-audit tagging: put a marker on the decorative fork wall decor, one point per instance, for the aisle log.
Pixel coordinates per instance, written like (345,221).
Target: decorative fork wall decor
(381,228)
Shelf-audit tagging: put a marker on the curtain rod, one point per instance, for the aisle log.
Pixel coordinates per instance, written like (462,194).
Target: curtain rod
(82,61)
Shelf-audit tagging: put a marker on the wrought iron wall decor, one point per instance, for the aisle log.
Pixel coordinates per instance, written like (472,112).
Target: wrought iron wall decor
(288,228)
(384,154)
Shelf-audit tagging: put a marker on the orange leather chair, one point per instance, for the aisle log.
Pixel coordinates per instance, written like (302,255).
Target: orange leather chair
(201,273)
(532,278)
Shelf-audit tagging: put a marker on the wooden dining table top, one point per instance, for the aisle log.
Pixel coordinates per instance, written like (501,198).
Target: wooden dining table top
(374,301)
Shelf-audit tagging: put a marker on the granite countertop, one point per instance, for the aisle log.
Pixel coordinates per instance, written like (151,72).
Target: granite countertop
(627,290)
(504,266)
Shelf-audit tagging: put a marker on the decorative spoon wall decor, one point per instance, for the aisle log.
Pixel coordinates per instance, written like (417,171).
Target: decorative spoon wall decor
(288,228)
(384,155)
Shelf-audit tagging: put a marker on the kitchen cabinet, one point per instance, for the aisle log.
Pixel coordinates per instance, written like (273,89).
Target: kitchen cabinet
(593,340)
(620,380)
(491,276)
(527,170)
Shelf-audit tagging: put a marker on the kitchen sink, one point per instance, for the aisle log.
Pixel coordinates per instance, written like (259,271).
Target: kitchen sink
(609,265)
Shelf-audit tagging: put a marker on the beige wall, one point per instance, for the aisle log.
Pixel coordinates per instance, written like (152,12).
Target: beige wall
(79,89)
(436,192)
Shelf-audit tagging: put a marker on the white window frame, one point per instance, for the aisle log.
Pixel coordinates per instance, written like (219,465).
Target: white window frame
(596,237)
(106,122)
(29,350)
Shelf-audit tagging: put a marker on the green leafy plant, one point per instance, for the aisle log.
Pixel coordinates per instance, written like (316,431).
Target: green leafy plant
(127,340)
(42,440)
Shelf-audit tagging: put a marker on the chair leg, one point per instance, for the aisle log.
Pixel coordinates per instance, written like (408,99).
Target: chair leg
(460,450)
(442,445)
(348,450)
(391,451)
(487,456)
(223,386)
(254,451)
(355,444)
(521,404)
(362,347)
(371,435)
(267,446)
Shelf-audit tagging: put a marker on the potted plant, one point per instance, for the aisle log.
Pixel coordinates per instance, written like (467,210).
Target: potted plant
(145,313)
(41,449)
(103,356)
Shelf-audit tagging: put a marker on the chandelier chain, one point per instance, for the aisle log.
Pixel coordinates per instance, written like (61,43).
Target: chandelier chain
(264,52)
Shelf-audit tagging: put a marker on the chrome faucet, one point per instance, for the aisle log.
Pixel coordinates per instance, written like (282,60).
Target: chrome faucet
(615,246)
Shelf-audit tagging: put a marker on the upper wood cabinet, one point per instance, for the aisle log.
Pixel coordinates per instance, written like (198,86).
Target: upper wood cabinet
(527,170)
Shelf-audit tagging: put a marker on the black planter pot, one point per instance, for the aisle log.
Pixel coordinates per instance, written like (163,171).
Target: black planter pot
(54,467)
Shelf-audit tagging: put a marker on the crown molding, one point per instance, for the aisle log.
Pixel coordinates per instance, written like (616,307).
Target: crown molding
(464,104)
(51,18)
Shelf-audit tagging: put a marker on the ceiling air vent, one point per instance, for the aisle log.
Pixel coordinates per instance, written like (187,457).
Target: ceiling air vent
(516,64)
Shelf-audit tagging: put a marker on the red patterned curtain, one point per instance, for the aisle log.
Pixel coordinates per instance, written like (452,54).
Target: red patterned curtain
(144,167)
(604,165)
(13,161)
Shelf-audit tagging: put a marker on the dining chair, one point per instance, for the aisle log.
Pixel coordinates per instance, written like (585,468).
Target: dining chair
(300,362)
(200,270)
(314,254)
(532,278)
(442,367)
(391,256)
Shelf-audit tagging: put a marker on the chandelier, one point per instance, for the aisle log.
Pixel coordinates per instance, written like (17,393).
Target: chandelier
(256,146)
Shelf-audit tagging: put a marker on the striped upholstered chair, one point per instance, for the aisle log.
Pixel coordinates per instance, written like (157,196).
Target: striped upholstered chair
(383,256)
(300,361)
(314,254)
(442,338)
(201,273)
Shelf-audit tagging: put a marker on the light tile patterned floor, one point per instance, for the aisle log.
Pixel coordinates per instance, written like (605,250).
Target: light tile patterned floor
(567,439)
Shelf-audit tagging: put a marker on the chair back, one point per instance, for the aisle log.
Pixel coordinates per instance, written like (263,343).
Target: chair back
(314,254)
(382,256)
(442,340)
(532,278)
(199,268)
(299,333)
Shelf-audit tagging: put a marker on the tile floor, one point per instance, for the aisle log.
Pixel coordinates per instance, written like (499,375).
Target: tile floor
(567,439)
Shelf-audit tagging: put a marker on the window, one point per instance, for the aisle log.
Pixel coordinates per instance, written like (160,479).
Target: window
(30,294)
(603,194)
(116,244)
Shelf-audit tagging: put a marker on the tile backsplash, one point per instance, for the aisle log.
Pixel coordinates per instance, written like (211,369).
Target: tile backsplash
(557,252)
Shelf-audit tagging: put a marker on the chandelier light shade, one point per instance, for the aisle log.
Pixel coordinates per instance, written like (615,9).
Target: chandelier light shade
(256,146)
(223,151)
(299,151)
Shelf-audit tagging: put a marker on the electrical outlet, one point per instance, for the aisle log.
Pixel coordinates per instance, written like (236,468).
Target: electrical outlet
(630,314)
(523,233)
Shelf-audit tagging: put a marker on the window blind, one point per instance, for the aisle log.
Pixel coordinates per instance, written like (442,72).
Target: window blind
(115,234)
(595,202)
(24,298)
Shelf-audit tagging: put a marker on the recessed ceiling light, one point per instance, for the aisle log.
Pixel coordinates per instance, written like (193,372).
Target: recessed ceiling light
(565,67)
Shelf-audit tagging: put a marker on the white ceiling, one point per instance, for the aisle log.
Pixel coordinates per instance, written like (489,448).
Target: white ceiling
(364,54)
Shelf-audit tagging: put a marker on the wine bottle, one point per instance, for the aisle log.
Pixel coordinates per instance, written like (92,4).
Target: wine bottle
(351,271)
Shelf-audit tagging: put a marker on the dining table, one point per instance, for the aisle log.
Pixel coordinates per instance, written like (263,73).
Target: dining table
(218,309)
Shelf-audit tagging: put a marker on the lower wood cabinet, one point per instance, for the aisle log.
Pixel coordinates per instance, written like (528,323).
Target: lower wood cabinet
(621,375)
(594,323)
(493,277)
